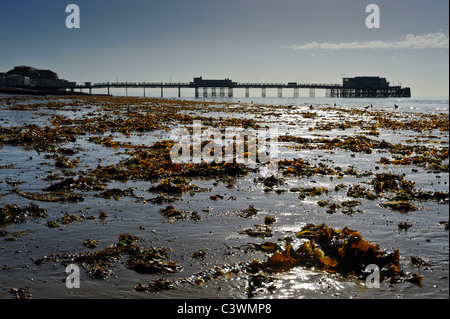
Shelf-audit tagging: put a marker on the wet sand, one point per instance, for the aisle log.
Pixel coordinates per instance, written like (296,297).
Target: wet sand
(99,167)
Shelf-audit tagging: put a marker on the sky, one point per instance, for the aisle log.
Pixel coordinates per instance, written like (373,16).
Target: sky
(307,41)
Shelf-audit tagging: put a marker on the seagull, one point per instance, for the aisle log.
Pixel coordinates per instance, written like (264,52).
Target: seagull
(396,106)
(311,107)
(371,105)
(368,106)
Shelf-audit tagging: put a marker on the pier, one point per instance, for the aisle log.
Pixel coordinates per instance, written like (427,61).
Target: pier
(29,80)
(364,88)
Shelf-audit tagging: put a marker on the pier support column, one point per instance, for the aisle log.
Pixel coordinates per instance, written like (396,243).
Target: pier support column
(296,93)
(108,90)
(230,92)
(179,91)
(280,92)
(222,92)
(144,91)
(162,92)
(213,92)
(196,92)
(312,92)
(247,92)
(205,92)
(263,92)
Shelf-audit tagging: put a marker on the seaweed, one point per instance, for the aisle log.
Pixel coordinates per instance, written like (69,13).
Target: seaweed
(156,286)
(90,243)
(270,181)
(173,214)
(391,182)
(444,224)
(310,191)
(336,251)
(249,212)
(53,197)
(115,193)
(176,185)
(358,191)
(99,264)
(262,231)
(15,214)
(401,206)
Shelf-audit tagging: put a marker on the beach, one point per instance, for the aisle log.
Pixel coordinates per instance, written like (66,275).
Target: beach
(89,181)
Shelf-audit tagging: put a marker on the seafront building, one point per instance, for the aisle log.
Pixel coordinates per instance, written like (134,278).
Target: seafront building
(27,77)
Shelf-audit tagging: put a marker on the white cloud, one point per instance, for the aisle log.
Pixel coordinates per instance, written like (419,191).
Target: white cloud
(426,41)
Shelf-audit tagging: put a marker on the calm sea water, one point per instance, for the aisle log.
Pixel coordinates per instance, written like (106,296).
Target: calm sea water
(217,233)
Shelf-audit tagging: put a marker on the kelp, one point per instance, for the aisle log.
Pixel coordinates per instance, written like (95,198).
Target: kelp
(358,191)
(65,162)
(40,138)
(444,224)
(418,195)
(391,182)
(263,231)
(90,243)
(21,293)
(337,251)
(225,271)
(249,212)
(82,183)
(200,254)
(156,163)
(300,167)
(260,283)
(162,199)
(403,226)
(177,185)
(15,214)
(270,181)
(174,215)
(309,191)
(400,205)
(115,193)
(67,219)
(53,197)
(156,286)
(99,264)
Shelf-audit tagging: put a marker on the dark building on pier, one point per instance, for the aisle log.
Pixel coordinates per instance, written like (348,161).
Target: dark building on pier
(369,86)
(212,83)
(366,82)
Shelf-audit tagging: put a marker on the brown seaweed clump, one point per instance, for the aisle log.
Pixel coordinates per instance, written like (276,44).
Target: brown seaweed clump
(337,251)
(173,214)
(99,264)
(14,214)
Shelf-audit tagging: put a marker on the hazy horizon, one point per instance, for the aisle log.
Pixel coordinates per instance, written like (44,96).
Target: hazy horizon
(247,41)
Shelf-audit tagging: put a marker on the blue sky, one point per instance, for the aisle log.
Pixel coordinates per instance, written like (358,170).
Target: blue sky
(245,40)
